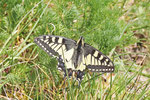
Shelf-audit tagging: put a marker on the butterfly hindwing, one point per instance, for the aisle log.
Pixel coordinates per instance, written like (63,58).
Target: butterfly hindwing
(96,61)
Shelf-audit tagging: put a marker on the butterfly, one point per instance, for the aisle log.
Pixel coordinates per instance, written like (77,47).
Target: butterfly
(74,57)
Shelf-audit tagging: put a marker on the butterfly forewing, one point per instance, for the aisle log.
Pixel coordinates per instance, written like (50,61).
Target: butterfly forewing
(96,61)
(54,45)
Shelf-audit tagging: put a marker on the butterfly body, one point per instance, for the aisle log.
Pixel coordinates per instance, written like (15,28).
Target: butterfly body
(74,56)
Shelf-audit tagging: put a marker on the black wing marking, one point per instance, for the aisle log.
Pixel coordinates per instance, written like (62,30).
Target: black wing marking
(54,45)
(96,61)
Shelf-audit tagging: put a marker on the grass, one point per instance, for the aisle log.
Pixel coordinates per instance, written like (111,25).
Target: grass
(27,72)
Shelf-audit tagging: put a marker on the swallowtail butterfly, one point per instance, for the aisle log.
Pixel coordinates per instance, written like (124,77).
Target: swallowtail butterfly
(75,55)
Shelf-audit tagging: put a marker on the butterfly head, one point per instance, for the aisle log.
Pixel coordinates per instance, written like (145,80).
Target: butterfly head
(80,42)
